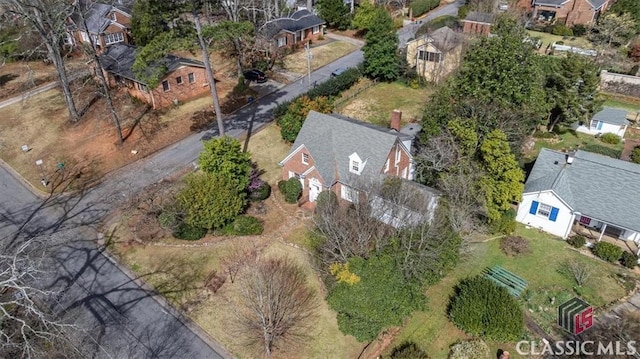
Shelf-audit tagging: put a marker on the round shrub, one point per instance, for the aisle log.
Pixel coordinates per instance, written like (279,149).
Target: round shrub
(607,251)
(291,189)
(635,155)
(480,307)
(188,232)
(579,30)
(577,241)
(629,259)
(263,192)
(561,30)
(610,138)
(473,348)
(514,246)
(243,226)
(506,224)
(408,350)
(168,219)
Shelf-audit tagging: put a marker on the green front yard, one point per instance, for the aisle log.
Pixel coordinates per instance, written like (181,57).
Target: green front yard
(432,330)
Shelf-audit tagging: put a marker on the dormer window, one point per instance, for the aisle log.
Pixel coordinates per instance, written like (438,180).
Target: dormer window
(113,16)
(305,158)
(356,164)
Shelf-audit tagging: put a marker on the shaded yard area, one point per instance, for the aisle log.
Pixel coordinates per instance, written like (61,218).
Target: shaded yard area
(267,148)
(433,331)
(373,103)
(548,39)
(563,139)
(19,76)
(322,55)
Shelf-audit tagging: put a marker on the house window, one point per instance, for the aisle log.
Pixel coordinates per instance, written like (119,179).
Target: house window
(192,77)
(544,210)
(142,87)
(348,194)
(596,125)
(282,41)
(354,167)
(397,155)
(113,16)
(316,29)
(305,158)
(179,80)
(386,166)
(165,86)
(84,36)
(429,56)
(113,38)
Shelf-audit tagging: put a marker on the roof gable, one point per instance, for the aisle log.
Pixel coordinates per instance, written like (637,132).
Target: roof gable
(612,115)
(481,17)
(299,20)
(594,185)
(332,139)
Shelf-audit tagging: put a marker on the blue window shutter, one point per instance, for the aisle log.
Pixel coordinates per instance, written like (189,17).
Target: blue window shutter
(534,207)
(554,214)
(599,125)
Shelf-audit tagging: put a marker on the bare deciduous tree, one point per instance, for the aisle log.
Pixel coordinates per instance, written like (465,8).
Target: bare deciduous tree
(579,271)
(276,305)
(49,19)
(238,257)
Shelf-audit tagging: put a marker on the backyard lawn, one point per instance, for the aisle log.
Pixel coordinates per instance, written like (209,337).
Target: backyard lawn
(548,39)
(374,104)
(570,140)
(433,331)
(322,55)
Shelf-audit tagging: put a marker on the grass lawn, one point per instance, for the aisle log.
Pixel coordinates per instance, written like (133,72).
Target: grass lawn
(547,39)
(622,103)
(433,331)
(322,55)
(267,149)
(569,140)
(376,103)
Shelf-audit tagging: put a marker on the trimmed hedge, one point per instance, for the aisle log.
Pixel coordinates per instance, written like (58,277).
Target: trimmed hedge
(243,226)
(480,307)
(606,151)
(610,138)
(291,189)
(263,192)
(628,259)
(577,241)
(607,251)
(188,232)
(635,155)
(420,7)
(408,350)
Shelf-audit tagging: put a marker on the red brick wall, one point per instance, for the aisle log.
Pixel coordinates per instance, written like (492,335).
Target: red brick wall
(306,36)
(182,92)
(396,168)
(122,19)
(295,165)
(573,12)
(475,28)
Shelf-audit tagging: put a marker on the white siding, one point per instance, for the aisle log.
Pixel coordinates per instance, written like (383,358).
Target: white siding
(562,223)
(606,128)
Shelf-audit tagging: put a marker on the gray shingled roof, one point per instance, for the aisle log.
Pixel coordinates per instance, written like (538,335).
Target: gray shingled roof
(597,186)
(613,116)
(299,20)
(549,2)
(119,59)
(331,139)
(597,3)
(96,13)
(445,39)
(483,17)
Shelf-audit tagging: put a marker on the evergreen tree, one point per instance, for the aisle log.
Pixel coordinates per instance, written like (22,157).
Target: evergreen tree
(380,48)
(335,13)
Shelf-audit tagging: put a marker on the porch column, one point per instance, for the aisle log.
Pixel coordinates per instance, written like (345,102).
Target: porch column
(604,226)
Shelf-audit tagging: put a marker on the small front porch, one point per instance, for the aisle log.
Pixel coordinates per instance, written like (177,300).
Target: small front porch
(608,234)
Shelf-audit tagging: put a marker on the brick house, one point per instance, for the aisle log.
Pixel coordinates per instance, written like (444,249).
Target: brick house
(185,78)
(569,12)
(435,55)
(477,22)
(106,24)
(346,156)
(293,31)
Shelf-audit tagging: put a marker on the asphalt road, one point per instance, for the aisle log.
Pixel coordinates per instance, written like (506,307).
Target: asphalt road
(121,318)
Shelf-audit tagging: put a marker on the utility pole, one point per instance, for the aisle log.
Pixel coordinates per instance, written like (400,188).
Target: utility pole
(352,1)
(309,57)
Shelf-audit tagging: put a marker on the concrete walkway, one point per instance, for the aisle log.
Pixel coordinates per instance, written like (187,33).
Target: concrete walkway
(337,37)
(631,304)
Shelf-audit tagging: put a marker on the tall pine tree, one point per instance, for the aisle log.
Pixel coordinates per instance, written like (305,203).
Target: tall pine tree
(381,47)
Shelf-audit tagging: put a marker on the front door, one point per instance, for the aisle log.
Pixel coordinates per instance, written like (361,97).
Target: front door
(314,189)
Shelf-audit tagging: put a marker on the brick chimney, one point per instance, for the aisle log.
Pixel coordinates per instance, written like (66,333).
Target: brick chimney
(396,118)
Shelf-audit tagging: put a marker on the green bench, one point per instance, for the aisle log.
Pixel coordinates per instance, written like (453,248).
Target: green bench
(502,277)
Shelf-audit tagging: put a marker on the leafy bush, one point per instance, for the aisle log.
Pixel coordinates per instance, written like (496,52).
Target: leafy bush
(188,232)
(327,199)
(291,189)
(168,219)
(603,150)
(610,138)
(635,155)
(473,348)
(607,251)
(515,246)
(281,109)
(243,226)
(382,297)
(560,42)
(224,156)
(408,350)
(561,30)
(261,193)
(544,134)
(506,224)
(291,122)
(629,259)
(463,11)
(440,21)
(335,85)
(420,7)
(579,30)
(480,307)
(577,241)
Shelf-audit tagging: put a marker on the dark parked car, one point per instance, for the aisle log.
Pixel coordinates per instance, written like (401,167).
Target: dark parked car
(338,71)
(255,75)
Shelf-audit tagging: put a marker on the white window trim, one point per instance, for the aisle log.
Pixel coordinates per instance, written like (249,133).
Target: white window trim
(142,87)
(316,29)
(348,194)
(386,166)
(168,86)
(282,41)
(113,38)
(357,165)
(191,77)
(547,208)
(305,159)
(179,80)
(397,155)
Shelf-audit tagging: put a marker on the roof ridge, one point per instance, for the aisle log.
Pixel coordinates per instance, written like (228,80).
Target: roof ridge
(626,168)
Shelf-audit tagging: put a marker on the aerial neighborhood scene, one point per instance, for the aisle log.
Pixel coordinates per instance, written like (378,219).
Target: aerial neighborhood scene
(404,179)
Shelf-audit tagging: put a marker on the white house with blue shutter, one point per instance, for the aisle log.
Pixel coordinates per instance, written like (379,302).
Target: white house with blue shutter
(582,189)
(609,120)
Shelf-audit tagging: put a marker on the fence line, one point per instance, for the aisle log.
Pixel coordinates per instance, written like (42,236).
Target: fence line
(344,100)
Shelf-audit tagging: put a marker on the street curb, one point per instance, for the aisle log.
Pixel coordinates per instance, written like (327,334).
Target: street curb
(28,185)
